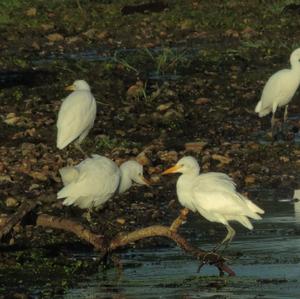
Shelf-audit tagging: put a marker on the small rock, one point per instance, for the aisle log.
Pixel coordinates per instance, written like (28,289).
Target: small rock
(102,35)
(172,114)
(168,156)
(148,195)
(11,119)
(284,159)
(55,37)
(155,179)
(248,32)
(120,132)
(90,33)
(201,101)
(3,219)
(38,175)
(6,178)
(143,159)
(164,107)
(249,179)
(196,147)
(221,159)
(47,27)
(121,221)
(136,90)
(31,12)
(11,202)
(186,25)
(231,33)
(35,45)
(73,39)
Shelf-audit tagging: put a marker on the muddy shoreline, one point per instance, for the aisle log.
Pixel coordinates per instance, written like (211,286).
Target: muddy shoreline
(202,68)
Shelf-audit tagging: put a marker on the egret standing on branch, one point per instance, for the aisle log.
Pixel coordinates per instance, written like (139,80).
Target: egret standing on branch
(76,115)
(280,89)
(213,195)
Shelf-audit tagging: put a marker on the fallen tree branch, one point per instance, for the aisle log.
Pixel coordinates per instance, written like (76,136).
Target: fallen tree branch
(71,226)
(23,210)
(123,239)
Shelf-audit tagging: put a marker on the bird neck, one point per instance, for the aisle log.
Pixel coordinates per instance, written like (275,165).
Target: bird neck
(295,64)
(125,181)
(186,180)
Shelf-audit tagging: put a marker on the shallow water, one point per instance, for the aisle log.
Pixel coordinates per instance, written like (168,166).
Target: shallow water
(266,261)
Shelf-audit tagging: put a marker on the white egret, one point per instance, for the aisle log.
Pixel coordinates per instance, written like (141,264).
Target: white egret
(95,180)
(296,198)
(76,115)
(280,89)
(213,195)
(296,194)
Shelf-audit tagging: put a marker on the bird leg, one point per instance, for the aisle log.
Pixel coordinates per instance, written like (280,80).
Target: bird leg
(228,238)
(285,116)
(272,124)
(78,147)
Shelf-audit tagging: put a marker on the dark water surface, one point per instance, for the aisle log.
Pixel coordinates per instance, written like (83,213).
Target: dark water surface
(266,261)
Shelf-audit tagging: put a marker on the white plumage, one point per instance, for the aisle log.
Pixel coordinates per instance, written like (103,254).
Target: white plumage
(280,88)
(213,195)
(76,115)
(93,181)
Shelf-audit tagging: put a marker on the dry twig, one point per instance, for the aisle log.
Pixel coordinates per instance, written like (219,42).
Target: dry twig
(23,210)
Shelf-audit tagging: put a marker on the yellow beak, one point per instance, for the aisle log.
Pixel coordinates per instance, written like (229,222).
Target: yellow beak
(70,87)
(172,169)
(147,182)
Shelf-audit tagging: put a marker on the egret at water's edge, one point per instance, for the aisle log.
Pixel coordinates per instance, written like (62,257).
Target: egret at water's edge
(279,89)
(76,115)
(213,195)
(95,180)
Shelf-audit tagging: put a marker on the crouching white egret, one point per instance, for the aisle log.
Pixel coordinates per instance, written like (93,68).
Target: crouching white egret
(95,180)
(213,195)
(76,115)
(280,89)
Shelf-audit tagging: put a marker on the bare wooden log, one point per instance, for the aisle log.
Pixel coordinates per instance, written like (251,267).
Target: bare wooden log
(71,226)
(179,220)
(23,210)
(123,239)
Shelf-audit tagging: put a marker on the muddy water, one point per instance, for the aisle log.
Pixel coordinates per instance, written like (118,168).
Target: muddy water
(266,261)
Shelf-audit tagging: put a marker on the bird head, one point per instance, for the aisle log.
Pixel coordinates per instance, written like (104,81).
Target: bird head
(78,85)
(188,165)
(295,57)
(134,171)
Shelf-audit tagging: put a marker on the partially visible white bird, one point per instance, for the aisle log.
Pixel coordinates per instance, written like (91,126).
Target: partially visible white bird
(280,89)
(76,115)
(95,180)
(213,195)
(296,194)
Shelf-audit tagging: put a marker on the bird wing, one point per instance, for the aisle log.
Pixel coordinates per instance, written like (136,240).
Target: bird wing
(279,87)
(77,113)
(212,181)
(216,193)
(68,174)
(99,177)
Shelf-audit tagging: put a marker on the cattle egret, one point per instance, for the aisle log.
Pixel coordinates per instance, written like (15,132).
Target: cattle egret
(76,115)
(95,180)
(280,89)
(213,195)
